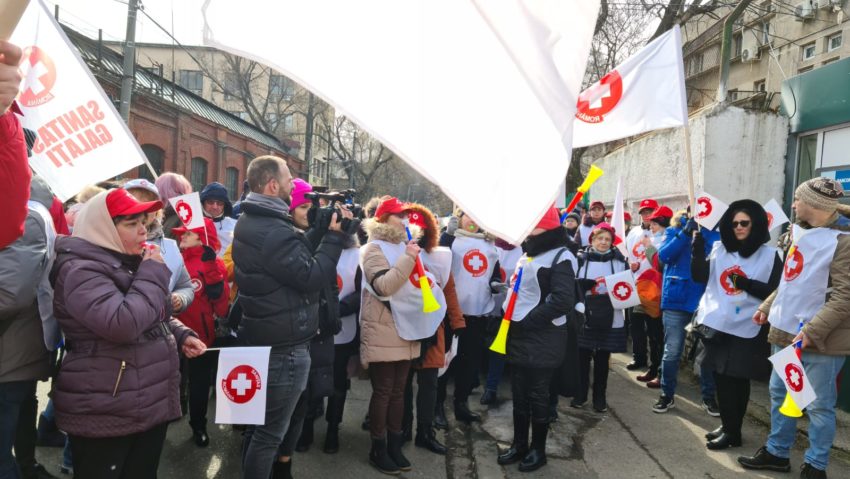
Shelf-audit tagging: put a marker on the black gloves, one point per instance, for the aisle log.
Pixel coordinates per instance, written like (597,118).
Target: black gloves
(586,284)
(740,282)
(208,254)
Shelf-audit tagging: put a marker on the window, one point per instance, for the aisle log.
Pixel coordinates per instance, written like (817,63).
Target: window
(280,87)
(192,80)
(198,176)
(695,64)
(231,86)
(738,41)
(156,157)
(765,34)
(759,86)
(733,94)
(808,158)
(833,42)
(231,182)
(809,51)
(289,122)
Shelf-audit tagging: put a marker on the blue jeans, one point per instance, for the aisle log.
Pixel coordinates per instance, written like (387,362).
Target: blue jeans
(12,395)
(494,371)
(674,343)
(822,371)
(288,373)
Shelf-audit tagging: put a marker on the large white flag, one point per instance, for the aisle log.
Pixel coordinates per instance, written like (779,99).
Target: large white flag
(790,369)
(478,96)
(189,210)
(618,220)
(709,210)
(242,387)
(645,92)
(81,138)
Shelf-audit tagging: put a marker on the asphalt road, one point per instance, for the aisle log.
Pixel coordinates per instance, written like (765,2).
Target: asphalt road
(629,441)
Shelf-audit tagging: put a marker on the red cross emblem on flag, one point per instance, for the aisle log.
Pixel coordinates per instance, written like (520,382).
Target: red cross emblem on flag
(639,251)
(705,207)
(241,384)
(769,219)
(793,264)
(622,291)
(39,74)
(726,280)
(414,278)
(794,377)
(339,282)
(600,99)
(475,262)
(184,211)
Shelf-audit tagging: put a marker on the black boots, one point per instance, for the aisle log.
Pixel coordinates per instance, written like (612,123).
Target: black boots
(282,470)
(306,438)
(462,413)
(489,398)
(379,458)
(394,443)
(519,447)
(201,438)
(332,439)
(426,438)
(536,457)
(440,421)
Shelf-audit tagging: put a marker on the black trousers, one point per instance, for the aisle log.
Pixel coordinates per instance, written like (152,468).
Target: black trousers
(426,397)
(336,402)
(201,371)
(135,456)
(25,436)
(600,373)
(530,388)
(643,328)
(470,351)
(733,395)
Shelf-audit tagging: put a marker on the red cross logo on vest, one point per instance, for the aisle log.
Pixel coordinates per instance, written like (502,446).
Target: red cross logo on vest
(794,377)
(622,291)
(339,282)
(184,211)
(705,207)
(639,251)
(414,278)
(241,384)
(793,264)
(503,274)
(600,283)
(196,285)
(39,74)
(475,262)
(600,99)
(726,280)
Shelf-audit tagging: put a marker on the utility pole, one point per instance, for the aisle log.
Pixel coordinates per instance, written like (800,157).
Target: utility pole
(308,135)
(129,75)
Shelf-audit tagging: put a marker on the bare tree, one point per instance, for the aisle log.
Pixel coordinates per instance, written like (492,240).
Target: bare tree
(678,12)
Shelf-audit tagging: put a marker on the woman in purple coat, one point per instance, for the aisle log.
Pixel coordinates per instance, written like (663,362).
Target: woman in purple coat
(118,384)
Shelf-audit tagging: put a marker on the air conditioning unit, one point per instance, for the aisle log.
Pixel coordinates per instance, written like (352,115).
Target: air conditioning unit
(749,46)
(804,11)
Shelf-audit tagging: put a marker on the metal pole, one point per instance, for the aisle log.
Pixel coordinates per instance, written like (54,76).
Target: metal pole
(726,49)
(129,71)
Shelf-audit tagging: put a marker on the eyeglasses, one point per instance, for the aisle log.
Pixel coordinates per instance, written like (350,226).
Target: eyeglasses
(743,224)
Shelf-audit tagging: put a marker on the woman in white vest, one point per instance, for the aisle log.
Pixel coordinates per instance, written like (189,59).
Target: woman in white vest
(595,215)
(391,325)
(475,264)
(537,338)
(740,272)
(604,329)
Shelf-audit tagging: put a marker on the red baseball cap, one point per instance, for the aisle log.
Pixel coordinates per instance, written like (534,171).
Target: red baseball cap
(121,203)
(648,203)
(661,212)
(597,203)
(551,220)
(626,215)
(390,206)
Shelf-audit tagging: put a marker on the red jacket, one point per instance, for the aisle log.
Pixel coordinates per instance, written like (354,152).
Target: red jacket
(14,178)
(208,280)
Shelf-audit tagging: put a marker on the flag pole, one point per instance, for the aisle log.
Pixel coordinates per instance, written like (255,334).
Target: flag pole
(686,132)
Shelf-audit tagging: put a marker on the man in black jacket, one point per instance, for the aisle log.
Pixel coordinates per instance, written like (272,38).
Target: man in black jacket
(279,278)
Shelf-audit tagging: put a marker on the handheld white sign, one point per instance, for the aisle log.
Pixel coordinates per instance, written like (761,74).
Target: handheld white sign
(189,210)
(790,369)
(622,290)
(709,210)
(242,385)
(775,215)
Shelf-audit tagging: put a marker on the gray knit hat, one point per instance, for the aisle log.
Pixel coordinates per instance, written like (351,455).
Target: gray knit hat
(820,193)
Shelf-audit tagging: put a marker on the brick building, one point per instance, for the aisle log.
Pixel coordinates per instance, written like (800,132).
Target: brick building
(180,131)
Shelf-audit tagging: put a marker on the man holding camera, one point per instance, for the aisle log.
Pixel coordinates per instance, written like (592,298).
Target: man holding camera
(280,277)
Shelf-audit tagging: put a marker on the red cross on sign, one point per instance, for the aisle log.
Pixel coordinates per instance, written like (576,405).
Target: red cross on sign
(39,74)
(184,211)
(793,264)
(622,291)
(705,207)
(794,377)
(241,384)
(726,280)
(639,251)
(475,262)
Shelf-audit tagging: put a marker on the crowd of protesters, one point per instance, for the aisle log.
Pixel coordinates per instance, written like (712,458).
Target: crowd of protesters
(115,302)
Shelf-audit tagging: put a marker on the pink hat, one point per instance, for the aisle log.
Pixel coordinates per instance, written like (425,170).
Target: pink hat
(299,189)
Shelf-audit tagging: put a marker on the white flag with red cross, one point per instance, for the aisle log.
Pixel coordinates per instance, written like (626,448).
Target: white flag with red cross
(709,210)
(189,210)
(622,290)
(646,92)
(81,139)
(789,367)
(242,385)
(776,217)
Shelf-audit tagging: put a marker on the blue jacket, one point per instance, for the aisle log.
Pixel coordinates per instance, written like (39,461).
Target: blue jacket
(678,291)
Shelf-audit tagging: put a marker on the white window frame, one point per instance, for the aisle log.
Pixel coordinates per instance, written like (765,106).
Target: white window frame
(813,47)
(839,36)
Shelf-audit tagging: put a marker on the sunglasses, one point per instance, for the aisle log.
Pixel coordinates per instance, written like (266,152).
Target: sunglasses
(742,224)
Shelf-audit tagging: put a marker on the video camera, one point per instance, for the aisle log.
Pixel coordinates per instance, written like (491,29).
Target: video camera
(320,216)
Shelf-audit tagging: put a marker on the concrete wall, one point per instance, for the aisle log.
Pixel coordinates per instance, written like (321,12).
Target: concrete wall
(736,154)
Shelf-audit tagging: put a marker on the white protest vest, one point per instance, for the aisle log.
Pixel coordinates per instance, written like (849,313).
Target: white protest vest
(173,259)
(725,308)
(473,260)
(598,270)
(224,229)
(406,304)
(508,260)
(528,296)
(584,233)
(44,295)
(805,276)
(346,271)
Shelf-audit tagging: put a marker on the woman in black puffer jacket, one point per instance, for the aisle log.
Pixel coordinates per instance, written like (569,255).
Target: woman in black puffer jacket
(537,337)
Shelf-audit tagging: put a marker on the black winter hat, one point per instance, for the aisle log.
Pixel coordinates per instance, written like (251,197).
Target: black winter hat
(217,191)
